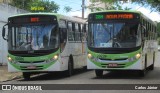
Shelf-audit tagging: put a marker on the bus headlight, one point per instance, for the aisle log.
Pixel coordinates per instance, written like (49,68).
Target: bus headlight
(9,59)
(136,57)
(89,55)
(92,57)
(55,57)
(12,61)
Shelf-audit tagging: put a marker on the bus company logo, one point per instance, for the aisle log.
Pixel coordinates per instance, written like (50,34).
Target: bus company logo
(32,51)
(6,87)
(19,58)
(102,56)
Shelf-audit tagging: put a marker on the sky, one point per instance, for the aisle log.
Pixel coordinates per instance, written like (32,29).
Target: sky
(74,4)
(76,9)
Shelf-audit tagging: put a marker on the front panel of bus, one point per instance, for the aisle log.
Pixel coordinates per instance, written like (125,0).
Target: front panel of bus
(114,40)
(33,42)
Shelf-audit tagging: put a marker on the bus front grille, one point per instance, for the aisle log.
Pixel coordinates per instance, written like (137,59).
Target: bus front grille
(32,62)
(107,59)
(35,68)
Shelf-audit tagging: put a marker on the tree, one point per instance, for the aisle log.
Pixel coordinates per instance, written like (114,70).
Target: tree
(22,4)
(44,6)
(109,5)
(94,6)
(67,9)
(154,4)
(36,5)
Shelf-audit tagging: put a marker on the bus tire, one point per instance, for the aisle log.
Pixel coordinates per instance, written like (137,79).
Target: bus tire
(142,73)
(26,75)
(85,68)
(151,67)
(99,73)
(70,67)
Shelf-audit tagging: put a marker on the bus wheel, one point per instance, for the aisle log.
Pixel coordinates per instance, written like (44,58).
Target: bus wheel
(99,73)
(151,67)
(70,67)
(26,75)
(142,73)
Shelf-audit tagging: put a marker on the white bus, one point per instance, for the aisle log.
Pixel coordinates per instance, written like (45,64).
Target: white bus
(44,42)
(121,40)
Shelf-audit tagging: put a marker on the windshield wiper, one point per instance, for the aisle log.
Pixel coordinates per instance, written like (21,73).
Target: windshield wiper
(105,29)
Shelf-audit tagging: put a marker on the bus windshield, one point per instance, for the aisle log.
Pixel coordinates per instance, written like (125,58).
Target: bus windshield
(114,35)
(33,37)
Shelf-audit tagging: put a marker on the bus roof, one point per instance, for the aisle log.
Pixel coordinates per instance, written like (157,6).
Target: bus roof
(59,16)
(132,11)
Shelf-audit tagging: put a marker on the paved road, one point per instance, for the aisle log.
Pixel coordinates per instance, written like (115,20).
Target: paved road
(88,77)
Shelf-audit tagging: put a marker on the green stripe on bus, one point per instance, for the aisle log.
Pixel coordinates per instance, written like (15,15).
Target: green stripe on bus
(32,59)
(114,57)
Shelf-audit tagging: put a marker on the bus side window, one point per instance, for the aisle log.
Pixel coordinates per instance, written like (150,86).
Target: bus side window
(143,33)
(63,35)
(81,33)
(77,32)
(73,31)
(70,32)
(63,38)
(84,32)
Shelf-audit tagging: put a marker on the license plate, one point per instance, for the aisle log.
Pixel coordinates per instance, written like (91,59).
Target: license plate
(31,67)
(110,65)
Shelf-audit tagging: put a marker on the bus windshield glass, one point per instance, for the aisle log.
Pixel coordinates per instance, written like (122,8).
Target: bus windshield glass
(114,35)
(33,37)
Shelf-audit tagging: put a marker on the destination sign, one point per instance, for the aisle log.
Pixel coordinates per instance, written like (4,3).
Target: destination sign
(110,16)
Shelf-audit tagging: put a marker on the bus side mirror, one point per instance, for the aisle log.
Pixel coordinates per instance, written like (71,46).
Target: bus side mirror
(62,36)
(4,32)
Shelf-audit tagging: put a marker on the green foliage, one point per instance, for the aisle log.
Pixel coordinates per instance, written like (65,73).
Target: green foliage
(118,6)
(155,4)
(67,9)
(109,5)
(126,8)
(22,4)
(36,5)
(44,6)
(108,1)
